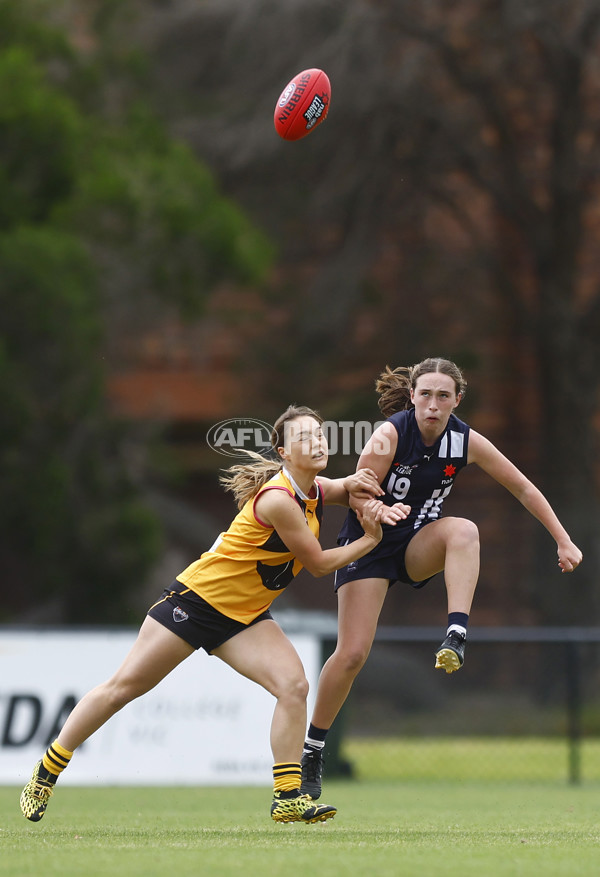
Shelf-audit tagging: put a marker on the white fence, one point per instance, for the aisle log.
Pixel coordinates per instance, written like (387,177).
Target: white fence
(204,724)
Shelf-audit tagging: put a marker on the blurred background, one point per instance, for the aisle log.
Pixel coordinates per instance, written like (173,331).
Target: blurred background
(167,262)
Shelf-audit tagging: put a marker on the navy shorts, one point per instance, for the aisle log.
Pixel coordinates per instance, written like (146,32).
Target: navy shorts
(385,561)
(196,621)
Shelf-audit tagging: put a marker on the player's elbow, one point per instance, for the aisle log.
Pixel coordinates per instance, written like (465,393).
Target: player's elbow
(318,568)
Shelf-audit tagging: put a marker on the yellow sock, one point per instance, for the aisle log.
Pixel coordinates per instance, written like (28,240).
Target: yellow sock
(56,758)
(287,777)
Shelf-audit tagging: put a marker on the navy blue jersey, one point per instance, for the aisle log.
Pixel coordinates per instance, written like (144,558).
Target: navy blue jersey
(420,476)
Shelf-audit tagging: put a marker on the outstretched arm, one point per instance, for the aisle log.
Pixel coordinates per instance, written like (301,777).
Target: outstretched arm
(277,509)
(492,461)
(362,484)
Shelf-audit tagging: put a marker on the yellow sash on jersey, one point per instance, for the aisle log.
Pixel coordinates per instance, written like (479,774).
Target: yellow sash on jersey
(249,566)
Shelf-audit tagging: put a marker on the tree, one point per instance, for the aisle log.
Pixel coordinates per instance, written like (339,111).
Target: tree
(512,110)
(446,205)
(97,209)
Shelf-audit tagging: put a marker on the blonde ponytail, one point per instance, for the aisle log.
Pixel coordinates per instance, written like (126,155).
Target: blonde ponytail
(244,480)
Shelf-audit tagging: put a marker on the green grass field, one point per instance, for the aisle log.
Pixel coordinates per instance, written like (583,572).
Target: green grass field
(426,827)
(429,829)
(484,758)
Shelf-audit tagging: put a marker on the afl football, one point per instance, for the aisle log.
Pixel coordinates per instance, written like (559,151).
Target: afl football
(303,104)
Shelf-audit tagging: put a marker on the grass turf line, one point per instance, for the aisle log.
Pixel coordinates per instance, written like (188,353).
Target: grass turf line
(392,829)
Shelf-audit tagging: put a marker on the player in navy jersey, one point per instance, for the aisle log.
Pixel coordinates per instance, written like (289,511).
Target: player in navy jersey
(416,454)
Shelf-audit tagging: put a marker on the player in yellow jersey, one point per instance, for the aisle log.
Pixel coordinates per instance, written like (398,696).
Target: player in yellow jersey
(221,604)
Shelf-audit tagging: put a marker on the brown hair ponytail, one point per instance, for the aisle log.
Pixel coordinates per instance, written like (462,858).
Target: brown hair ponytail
(244,480)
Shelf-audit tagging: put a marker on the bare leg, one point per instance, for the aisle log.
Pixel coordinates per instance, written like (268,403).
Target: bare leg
(264,654)
(452,545)
(154,654)
(359,607)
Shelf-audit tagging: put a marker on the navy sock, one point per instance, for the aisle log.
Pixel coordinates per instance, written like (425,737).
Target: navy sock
(458,621)
(315,738)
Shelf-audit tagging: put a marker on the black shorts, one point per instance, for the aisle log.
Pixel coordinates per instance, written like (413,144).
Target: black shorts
(196,621)
(385,561)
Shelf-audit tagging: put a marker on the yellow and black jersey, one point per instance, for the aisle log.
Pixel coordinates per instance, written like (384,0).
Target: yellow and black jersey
(249,565)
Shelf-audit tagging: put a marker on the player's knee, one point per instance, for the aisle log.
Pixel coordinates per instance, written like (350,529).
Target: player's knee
(295,688)
(352,659)
(465,533)
(119,691)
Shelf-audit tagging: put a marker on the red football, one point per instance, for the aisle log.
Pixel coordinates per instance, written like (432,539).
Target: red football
(303,104)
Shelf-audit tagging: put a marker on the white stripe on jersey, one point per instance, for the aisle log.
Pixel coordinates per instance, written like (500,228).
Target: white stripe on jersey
(457,443)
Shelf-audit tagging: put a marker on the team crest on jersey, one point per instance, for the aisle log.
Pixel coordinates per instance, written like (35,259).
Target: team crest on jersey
(179,614)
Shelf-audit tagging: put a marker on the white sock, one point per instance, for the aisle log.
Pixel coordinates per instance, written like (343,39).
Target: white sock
(458,628)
